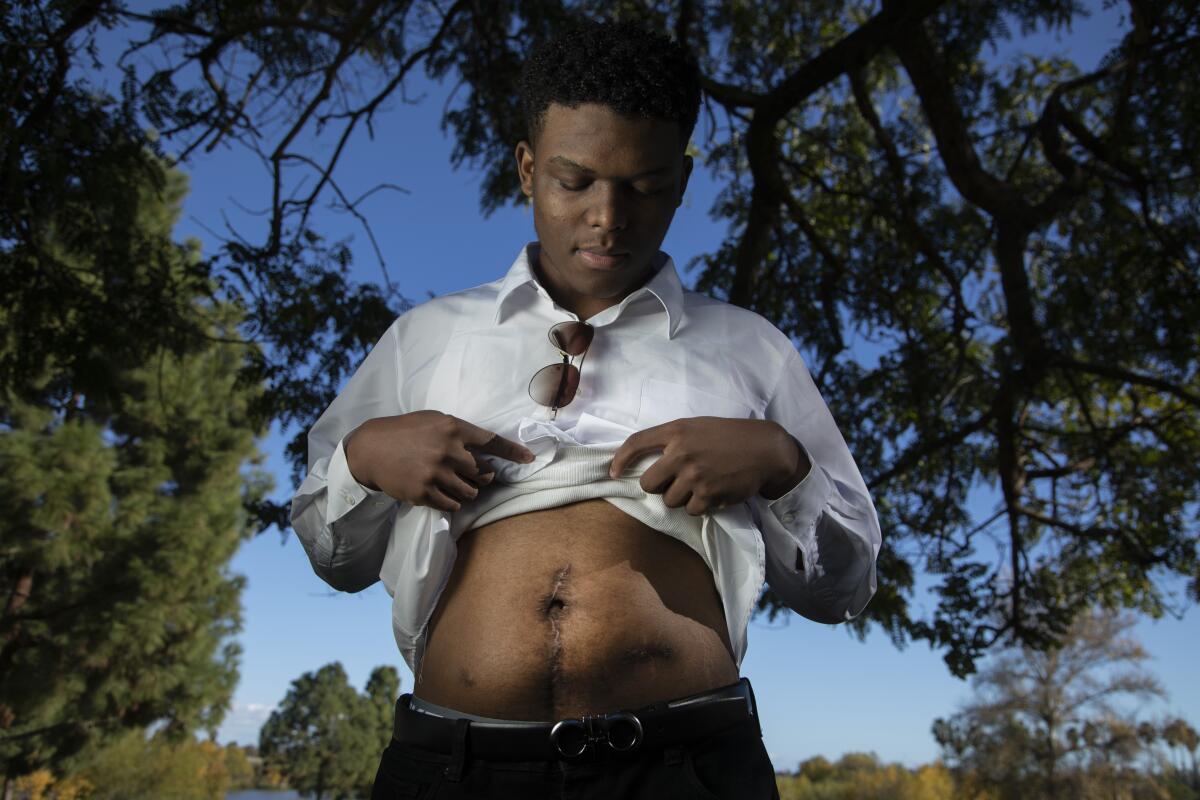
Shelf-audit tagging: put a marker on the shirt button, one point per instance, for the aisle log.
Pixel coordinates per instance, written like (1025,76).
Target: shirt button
(348,498)
(788,518)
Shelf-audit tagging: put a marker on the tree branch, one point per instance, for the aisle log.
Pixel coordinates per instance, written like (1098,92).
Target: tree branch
(914,455)
(1121,374)
(866,108)
(762,145)
(949,126)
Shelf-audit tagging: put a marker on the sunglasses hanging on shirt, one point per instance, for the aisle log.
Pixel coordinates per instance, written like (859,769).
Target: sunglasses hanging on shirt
(555,385)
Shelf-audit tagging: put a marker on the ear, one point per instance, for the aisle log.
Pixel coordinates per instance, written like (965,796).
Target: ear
(524,155)
(683,181)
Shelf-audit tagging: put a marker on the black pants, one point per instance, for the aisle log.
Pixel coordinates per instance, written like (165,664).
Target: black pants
(729,764)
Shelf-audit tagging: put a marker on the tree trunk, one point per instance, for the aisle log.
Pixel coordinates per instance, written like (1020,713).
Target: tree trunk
(8,787)
(20,594)
(16,600)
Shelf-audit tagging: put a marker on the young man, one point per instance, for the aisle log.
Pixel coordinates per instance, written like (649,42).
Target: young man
(574,552)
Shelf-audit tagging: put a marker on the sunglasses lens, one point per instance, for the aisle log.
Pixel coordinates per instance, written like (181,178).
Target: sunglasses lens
(550,387)
(572,337)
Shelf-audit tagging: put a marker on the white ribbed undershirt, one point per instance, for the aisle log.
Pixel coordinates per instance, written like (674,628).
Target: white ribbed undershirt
(577,473)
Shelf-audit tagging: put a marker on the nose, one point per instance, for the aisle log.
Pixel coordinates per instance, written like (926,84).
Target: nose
(608,211)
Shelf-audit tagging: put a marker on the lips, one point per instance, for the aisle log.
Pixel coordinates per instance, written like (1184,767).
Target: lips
(603,258)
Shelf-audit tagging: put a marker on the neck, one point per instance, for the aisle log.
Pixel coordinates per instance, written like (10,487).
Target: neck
(582,305)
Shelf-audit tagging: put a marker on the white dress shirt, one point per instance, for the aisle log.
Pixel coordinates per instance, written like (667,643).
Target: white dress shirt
(662,353)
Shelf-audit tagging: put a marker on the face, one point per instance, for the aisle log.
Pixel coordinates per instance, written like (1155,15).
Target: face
(604,188)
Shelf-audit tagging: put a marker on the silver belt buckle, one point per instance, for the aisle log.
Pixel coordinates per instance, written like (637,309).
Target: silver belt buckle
(571,738)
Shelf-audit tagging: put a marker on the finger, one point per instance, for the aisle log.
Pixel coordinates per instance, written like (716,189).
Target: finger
(464,463)
(435,498)
(457,488)
(697,505)
(482,468)
(637,445)
(658,478)
(493,443)
(677,494)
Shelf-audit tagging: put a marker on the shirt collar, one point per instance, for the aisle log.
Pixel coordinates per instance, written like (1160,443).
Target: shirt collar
(664,285)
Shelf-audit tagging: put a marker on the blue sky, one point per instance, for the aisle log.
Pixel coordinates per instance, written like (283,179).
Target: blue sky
(820,690)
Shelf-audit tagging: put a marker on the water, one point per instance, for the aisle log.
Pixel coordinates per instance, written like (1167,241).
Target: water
(263,794)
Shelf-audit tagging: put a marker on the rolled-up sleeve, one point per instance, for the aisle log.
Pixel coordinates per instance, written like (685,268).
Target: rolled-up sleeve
(342,524)
(822,537)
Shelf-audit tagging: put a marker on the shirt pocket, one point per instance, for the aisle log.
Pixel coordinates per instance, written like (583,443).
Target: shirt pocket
(663,401)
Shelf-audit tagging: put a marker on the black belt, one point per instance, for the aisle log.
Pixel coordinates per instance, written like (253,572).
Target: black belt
(659,725)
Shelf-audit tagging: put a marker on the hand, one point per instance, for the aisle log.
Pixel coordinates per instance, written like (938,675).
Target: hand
(427,458)
(709,463)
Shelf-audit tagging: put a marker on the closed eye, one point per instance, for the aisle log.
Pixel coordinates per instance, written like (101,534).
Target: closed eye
(579,187)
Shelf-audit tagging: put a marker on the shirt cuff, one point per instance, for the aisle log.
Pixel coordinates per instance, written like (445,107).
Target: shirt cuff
(799,509)
(343,492)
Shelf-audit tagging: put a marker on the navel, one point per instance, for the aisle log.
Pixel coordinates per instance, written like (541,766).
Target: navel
(554,604)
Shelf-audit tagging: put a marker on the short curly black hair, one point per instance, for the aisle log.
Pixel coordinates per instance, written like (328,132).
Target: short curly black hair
(634,71)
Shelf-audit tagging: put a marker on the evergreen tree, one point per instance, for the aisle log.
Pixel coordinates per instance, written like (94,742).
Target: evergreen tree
(119,512)
(76,166)
(326,738)
(378,709)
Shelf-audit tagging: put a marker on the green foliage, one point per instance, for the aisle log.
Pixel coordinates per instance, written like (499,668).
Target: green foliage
(85,283)
(325,738)
(987,254)
(1011,240)
(136,766)
(861,776)
(79,208)
(238,767)
(119,512)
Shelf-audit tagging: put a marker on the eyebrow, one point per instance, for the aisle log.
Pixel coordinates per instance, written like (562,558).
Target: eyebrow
(563,161)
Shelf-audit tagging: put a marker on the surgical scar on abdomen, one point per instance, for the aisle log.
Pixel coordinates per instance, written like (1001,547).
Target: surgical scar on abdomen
(554,606)
(554,603)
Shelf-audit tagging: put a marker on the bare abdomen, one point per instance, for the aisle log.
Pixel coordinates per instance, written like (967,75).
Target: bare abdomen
(573,610)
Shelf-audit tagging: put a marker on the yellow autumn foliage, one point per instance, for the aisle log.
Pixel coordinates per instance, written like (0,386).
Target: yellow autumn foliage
(858,776)
(135,766)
